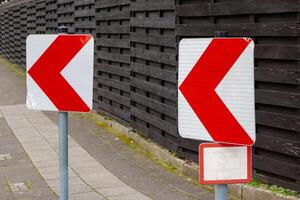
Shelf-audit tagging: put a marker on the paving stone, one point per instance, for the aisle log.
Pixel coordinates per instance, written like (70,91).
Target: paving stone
(19,123)
(76,185)
(130,197)
(6,193)
(102,181)
(116,191)
(86,196)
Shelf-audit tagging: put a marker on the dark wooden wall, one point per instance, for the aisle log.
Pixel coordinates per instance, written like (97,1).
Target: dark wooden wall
(274,26)
(136,64)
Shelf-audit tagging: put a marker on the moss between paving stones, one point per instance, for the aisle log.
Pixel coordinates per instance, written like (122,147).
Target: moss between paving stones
(266,191)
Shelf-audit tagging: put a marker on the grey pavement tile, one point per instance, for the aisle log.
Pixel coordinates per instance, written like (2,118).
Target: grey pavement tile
(19,123)
(48,163)
(94,170)
(9,109)
(47,128)
(116,191)
(21,174)
(12,116)
(8,139)
(102,181)
(86,164)
(43,157)
(131,197)
(26,131)
(86,196)
(35,193)
(6,194)
(50,135)
(76,185)
(31,139)
(15,162)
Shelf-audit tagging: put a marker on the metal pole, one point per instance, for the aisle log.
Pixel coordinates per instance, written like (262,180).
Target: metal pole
(63,156)
(221,190)
(63,147)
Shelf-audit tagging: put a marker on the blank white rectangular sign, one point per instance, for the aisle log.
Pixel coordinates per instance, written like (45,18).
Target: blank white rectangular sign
(221,164)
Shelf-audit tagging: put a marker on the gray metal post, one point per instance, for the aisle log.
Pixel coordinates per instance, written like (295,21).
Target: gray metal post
(63,148)
(221,190)
(63,156)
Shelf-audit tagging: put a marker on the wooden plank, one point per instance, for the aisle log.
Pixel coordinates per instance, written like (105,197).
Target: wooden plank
(192,145)
(237,8)
(113,29)
(160,40)
(274,75)
(155,72)
(277,98)
(122,58)
(114,97)
(154,56)
(118,43)
(84,2)
(281,29)
(156,137)
(114,111)
(280,145)
(276,166)
(120,85)
(286,52)
(111,3)
(152,6)
(159,22)
(109,16)
(112,69)
(84,13)
(85,24)
(288,122)
(155,105)
(187,155)
(162,91)
(155,121)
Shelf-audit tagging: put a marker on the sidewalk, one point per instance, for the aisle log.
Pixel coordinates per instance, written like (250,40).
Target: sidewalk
(101,166)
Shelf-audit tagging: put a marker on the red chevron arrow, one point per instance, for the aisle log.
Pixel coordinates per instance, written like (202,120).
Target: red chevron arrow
(46,72)
(199,90)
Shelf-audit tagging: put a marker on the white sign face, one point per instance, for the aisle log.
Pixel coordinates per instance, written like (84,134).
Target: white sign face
(60,72)
(216,90)
(224,164)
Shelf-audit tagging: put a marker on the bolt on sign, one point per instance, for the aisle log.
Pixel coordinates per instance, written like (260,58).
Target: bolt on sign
(216,90)
(60,72)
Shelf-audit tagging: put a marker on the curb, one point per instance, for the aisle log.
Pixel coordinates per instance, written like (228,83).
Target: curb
(236,191)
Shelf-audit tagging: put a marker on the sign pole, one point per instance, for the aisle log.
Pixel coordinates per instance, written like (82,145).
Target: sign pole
(221,190)
(63,156)
(63,147)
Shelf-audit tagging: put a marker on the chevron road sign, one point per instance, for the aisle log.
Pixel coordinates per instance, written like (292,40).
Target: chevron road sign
(60,72)
(216,90)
